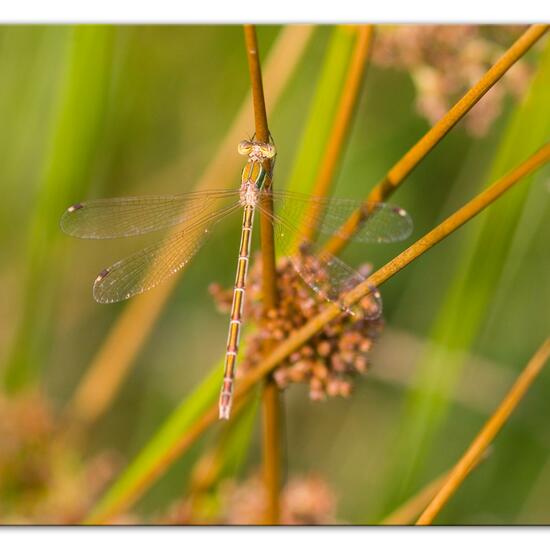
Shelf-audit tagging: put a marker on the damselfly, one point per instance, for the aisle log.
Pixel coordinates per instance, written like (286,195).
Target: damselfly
(198,212)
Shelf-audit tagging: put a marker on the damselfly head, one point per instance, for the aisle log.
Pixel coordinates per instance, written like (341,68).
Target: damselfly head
(256,149)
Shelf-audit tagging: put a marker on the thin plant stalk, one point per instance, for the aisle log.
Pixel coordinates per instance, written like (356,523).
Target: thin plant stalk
(406,164)
(270,397)
(112,362)
(487,434)
(409,511)
(351,91)
(303,334)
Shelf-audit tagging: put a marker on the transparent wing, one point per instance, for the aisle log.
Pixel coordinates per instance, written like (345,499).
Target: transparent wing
(152,265)
(324,273)
(384,223)
(128,216)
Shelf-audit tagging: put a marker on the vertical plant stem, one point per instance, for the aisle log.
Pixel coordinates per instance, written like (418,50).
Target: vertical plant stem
(271,449)
(342,121)
(487,434)
(270,398)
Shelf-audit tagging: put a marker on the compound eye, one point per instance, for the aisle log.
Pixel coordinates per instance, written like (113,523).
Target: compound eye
(268,150)
(244,147)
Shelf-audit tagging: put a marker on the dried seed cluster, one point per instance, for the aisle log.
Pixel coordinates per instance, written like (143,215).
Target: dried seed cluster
(305,500)
(446,60)
(331,359)
(43,477)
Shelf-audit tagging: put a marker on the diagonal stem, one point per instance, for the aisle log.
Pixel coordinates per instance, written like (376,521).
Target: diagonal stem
(487,434)
(433,237)
(408,512)
(399,171)
(270,397)
(302,335)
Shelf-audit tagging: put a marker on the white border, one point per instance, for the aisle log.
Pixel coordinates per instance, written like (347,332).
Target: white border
(251,538)
(273,11)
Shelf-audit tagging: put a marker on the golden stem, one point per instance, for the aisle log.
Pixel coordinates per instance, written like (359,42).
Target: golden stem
(487,434)
(412,508)
(302,335)
(397,174)
(270,396)
(408,512)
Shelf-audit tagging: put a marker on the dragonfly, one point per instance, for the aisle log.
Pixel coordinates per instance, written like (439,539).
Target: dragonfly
(193,215)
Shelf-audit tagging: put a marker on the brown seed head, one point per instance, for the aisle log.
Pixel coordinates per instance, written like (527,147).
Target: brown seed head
(331,359)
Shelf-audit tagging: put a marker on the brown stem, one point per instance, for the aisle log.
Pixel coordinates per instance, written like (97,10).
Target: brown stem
(397,174)
(351,90)
(487,434)
(271,449)
(270,397)
(302,335)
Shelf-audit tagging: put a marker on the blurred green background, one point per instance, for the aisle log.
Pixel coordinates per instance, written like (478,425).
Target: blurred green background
(98,111)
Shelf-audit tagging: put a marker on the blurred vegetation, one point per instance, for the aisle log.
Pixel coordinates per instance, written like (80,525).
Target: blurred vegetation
(92,111)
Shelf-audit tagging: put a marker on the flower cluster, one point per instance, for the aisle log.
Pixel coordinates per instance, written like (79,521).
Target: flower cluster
(330,359)
(446,60)
(305,500)
(42,477)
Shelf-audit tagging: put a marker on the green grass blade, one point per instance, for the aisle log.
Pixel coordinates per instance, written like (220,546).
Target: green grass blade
(183,417)
(82,101)
(235,443)
(320,119)
(471,290)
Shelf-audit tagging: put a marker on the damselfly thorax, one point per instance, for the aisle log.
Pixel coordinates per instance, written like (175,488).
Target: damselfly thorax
(194,214)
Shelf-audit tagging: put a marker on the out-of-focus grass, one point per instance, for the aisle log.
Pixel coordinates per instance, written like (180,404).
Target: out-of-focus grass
(83,87)
(179,421)
(321,114)
(234,445)
(473,286)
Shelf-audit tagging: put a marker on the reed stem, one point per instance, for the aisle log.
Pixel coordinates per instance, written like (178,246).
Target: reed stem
(409,511)
(406,164)
(270,397)
(487,434)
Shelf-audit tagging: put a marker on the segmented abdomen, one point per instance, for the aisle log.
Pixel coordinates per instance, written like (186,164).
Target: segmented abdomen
(236,314)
